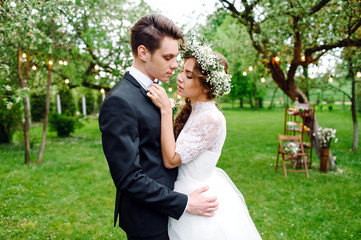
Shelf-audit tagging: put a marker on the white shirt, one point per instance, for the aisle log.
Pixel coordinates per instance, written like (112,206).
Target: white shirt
(141,78)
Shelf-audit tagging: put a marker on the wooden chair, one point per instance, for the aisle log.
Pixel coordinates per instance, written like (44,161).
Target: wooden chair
(291,150)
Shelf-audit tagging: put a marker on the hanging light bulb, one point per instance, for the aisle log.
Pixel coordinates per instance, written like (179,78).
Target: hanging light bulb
(244,73)
(24,55)
(65,63)
(170,89)
(358,74)
(102,90)
(250,68)
(303,59)
(330,79)
(66,81)
(61,62)
(263,79)
(50,62)
(277,59)
(33,67)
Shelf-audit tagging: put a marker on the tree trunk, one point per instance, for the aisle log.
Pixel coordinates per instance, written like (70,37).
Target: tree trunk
(26,112)
(46,117)
(353,108)
(273,97)
(47,105)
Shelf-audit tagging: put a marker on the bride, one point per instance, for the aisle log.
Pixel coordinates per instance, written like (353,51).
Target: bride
(196,145)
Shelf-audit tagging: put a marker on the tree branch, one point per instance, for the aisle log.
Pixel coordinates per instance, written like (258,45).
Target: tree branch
(340,90)
(296,49)
(318,6)
(342,43)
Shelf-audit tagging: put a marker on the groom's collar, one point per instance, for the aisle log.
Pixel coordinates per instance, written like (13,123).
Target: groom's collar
(141,78)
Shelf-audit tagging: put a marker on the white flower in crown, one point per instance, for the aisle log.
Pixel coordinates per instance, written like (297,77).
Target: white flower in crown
(219,80)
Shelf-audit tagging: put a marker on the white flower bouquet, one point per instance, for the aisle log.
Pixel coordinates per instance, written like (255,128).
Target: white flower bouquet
(325,136)
(291,147)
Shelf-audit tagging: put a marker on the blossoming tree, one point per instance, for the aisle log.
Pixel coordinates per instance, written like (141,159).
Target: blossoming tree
(289,35)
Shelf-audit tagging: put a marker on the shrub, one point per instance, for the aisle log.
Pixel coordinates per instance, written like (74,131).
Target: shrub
(330,107)
(68,107)
(37,103)
(320,106)
(10,119)
(64,125)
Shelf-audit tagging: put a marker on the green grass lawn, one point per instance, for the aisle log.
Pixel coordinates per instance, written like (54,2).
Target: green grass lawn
(71,194)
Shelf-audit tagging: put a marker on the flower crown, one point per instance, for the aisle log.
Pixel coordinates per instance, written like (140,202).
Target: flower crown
(219,80)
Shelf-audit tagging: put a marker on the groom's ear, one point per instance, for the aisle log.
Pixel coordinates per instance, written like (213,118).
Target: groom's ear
(143,53)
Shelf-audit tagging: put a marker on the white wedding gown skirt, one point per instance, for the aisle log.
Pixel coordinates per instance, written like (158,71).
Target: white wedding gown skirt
(231,221)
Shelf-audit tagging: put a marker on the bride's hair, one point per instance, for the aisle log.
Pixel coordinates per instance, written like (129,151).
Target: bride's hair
(186,109)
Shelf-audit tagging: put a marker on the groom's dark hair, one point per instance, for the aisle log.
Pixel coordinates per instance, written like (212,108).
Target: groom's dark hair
(150,30)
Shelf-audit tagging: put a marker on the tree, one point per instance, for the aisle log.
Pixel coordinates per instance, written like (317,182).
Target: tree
(291,34)
(226,34)
(95,41)
(83,42)
(21,38)
(348,67)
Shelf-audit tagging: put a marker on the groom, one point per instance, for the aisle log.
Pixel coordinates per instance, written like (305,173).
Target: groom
(130,126)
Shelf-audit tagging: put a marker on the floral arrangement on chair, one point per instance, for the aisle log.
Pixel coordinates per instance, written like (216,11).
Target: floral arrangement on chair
(325,136)
(291,147)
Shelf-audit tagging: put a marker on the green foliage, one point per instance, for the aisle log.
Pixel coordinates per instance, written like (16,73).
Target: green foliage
(230,38)
(37,103)
(358,102)
(89,103)
(68,107)
(10,119)
(22,27)
(64,125)
(299,33)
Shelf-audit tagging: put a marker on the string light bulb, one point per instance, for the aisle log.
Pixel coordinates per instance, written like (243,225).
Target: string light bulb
(66,81)
(277,59)
(358,74)
(24,55)
(170,89)
(263,79)
(250,68)
(244,73)
(50,62)
(330,79)
(65,63)
(33,67)
(102,90)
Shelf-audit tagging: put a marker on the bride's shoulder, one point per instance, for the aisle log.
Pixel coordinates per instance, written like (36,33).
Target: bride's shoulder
(213,115)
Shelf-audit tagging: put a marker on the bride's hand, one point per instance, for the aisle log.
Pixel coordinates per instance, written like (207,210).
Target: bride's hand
(159,97)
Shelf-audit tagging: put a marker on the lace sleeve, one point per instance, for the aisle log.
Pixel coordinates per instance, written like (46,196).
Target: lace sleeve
(198,135)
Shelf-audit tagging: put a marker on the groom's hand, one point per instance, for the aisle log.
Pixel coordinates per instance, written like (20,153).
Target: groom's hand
(201,205)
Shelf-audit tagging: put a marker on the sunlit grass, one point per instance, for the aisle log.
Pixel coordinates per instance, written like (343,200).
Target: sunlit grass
(71,194)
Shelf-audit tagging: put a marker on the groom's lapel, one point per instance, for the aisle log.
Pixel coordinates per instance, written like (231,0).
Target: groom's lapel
(131,79)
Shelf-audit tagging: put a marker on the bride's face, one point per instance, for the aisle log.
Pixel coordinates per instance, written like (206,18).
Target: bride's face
(188,83)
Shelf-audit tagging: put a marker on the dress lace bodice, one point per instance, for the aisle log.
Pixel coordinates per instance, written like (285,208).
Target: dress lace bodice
(203,133)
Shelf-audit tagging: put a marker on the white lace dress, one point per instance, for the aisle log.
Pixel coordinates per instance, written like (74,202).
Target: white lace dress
(199,145)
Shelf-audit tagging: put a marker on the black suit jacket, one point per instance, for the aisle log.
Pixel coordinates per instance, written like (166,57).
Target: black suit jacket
(130,126)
